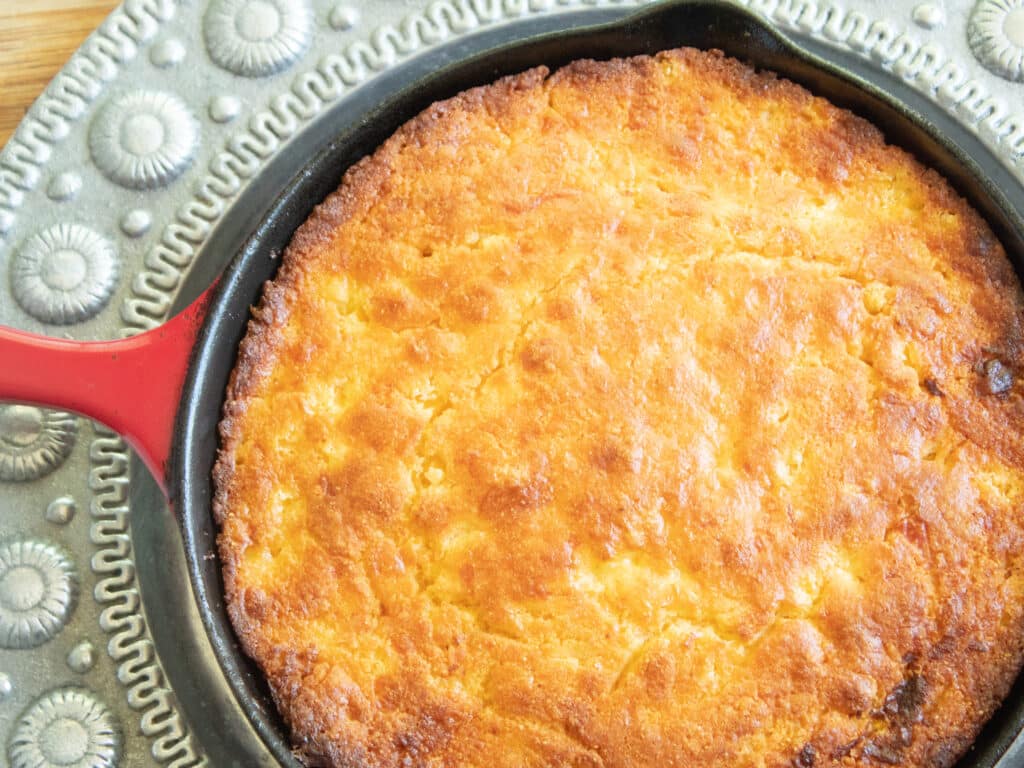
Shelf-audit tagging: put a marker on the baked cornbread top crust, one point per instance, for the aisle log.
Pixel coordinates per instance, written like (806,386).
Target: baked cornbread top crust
(651,412)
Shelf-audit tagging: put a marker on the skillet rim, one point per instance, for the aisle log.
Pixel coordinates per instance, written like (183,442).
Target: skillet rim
(973,169)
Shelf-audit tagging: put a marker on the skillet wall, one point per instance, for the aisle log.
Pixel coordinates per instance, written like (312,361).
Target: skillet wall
(223,695)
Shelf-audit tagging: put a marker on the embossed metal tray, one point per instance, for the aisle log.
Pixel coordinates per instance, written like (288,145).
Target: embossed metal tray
(62,703)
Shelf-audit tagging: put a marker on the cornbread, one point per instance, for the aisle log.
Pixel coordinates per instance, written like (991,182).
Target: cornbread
(652,412)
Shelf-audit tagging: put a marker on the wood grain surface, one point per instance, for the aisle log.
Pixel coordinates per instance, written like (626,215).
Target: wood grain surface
(36,38)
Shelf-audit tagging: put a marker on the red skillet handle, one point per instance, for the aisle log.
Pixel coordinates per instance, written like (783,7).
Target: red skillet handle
(132,385)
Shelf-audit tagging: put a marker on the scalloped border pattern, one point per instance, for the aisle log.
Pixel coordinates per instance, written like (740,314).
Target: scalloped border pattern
(70,93)
(47,123)
(121,617)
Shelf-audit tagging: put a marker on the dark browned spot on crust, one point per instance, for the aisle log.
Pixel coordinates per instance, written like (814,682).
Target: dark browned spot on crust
(998,378)
(933,387)
(806,757)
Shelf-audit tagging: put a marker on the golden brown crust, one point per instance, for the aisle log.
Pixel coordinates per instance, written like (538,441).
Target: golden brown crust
(652,412)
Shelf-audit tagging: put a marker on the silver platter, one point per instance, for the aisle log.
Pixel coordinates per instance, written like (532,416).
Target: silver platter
(109,189)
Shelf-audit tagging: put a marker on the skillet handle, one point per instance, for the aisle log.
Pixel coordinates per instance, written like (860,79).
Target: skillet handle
(132,385)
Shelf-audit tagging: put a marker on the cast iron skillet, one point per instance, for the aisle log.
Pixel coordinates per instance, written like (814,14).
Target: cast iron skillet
(224,696)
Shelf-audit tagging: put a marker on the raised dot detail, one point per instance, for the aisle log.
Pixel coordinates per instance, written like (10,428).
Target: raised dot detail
(256,38)
(343,17)
(167,53)
(68,728)
(929,16)
(82,657)
(61,511)
(143,139)
(6,686)
(37,593)
(996,35)
(64,274)
(64,186)
(224,109)
(33,441)
(136,223)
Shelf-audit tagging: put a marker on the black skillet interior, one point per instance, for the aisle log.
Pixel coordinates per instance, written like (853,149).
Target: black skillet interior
(369,115)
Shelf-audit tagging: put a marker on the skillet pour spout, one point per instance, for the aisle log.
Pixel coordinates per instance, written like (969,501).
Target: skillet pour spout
(137,385)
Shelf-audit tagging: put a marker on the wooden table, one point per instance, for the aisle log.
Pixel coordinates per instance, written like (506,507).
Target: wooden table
(36,38)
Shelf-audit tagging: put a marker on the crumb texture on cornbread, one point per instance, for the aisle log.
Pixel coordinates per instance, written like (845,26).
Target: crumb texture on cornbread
(652,412)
